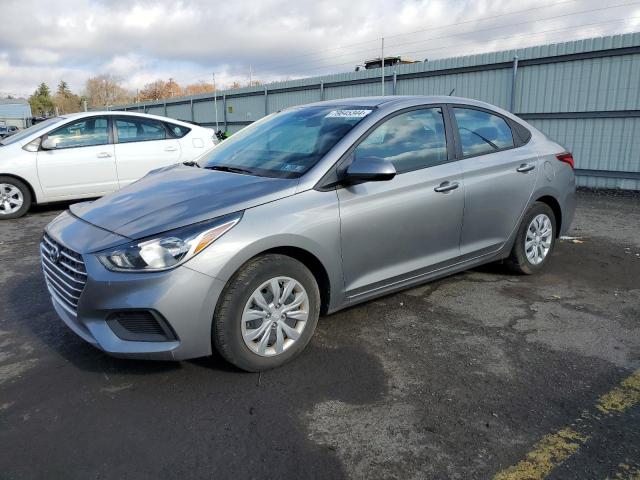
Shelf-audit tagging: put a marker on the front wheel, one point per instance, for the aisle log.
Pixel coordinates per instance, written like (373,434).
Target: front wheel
(535,240)
(267,313)
(15,198)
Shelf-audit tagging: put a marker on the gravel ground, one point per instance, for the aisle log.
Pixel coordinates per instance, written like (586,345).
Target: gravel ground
(478,375)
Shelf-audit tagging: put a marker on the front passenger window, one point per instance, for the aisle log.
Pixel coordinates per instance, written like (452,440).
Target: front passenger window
(83,133)
(411,140)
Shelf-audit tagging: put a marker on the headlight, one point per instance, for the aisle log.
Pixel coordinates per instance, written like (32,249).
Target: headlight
(168,249)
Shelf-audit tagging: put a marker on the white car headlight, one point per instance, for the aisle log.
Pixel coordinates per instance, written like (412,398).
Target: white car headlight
(169,249)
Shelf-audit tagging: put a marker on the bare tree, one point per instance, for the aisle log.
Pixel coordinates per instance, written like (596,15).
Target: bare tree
(197,88)
(105,90)
(153,91)
(160,89)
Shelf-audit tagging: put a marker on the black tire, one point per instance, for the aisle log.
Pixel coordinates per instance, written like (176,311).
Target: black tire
(26,198)
(517,260)
(226,330)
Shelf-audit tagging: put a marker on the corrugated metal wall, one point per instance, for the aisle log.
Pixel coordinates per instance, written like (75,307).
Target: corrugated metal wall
(584,94)
(15,112)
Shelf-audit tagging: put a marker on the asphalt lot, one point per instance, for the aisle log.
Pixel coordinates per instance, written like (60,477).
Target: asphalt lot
(480,374)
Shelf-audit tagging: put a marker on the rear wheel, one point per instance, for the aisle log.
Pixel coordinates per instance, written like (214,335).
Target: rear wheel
(15,198)
(267,313)
(535,240)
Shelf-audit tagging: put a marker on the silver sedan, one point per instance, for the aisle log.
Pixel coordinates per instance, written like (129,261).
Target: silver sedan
(305,212)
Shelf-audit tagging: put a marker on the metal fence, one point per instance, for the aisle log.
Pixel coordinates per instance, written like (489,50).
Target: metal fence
(584,94)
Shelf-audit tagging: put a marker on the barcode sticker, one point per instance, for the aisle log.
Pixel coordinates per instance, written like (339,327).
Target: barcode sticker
(348,113)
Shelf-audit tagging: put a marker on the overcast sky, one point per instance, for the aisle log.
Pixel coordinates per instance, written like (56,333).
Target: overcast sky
(49,40)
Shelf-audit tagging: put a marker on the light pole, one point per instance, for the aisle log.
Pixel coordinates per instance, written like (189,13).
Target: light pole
(382,63)
(215,99)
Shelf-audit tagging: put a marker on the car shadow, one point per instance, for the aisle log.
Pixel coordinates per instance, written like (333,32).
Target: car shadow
(29,307)
(246,424)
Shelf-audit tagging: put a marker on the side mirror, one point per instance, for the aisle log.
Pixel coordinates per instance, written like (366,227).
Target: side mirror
(370,169)
(49,143)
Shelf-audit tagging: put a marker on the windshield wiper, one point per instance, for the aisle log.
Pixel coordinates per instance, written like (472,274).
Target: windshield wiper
(227,168)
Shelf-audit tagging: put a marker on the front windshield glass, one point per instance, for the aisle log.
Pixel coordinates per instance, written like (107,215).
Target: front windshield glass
(38,127)
(285,144)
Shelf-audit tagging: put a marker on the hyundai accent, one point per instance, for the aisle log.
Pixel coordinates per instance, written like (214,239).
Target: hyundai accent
(305,212)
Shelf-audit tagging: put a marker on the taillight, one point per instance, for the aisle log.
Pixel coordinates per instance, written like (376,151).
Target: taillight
(566,157)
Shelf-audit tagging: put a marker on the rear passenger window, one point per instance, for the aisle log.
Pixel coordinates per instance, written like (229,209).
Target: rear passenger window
(481,132)
(178,130)
(411,140)
(139,130)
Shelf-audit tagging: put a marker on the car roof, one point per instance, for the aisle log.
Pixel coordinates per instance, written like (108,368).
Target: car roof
(393,102)
(72,116)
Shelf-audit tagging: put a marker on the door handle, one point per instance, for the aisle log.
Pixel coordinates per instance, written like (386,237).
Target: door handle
(445,187)
(103,155)
(525,167)
(170,149)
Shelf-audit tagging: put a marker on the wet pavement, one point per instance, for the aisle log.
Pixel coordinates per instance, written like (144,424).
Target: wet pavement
(478,375)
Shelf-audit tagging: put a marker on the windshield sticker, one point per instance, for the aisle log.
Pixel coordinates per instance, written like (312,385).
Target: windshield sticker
(348,113)
(292,168)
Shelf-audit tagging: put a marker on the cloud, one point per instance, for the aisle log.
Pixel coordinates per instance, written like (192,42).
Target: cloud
(140,41)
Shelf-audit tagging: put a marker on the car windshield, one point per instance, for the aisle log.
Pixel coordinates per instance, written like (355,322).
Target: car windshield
(38,127)
(285,144)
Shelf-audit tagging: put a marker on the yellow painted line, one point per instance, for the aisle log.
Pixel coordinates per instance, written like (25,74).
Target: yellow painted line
(549,452)
(623,397)
(555,448)
(626,472)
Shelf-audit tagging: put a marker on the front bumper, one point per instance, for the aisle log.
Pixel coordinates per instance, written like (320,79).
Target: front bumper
(184,298)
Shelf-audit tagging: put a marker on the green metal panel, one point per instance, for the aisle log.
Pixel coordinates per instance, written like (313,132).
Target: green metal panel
(243,109)
(204,112)
(599,144)
(585,85)
(156,110)
(181,111)
(490,86)
(278,101)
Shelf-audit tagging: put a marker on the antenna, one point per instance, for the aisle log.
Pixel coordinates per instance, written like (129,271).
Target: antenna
(451,92)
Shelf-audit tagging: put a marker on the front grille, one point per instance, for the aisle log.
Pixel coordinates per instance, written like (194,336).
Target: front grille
(64,272)
(140,325)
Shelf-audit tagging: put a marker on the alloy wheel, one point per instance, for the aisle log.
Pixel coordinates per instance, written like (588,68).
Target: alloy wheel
(538,239)
(11,199)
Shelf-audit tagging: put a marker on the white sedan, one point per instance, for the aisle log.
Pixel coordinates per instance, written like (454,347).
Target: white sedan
(90,154)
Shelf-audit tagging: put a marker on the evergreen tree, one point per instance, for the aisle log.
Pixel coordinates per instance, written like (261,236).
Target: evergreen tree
(63,89)
(41,101)
(65,100)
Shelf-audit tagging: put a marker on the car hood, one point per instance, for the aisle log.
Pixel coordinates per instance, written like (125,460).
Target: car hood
(177,196)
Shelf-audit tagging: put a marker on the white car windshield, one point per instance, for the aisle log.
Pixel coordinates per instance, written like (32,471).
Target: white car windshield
(38,127)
